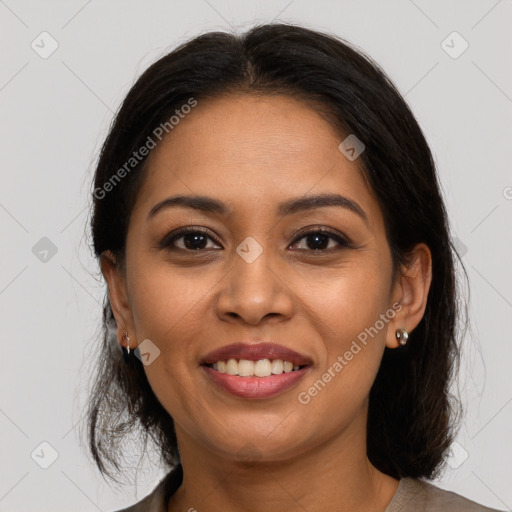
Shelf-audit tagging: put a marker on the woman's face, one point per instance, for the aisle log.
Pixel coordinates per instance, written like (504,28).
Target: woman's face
(257,277)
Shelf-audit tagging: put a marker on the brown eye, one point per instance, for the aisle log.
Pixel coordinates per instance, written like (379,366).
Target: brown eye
(192,240)
(319,240)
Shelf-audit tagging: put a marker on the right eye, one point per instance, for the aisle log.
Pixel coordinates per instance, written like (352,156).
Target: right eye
(193,240)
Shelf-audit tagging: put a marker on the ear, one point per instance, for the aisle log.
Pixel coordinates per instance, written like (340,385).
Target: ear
(411,290)
(116,281)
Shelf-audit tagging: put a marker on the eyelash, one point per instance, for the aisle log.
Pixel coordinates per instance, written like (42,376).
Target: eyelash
(167,243)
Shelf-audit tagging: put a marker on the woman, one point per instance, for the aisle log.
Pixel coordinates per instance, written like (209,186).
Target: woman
(281,280)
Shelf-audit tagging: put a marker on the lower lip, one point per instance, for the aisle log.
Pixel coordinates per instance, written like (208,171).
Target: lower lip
(255,387)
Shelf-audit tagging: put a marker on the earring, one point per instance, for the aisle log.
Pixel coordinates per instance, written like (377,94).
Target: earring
(402,335)
(125,335)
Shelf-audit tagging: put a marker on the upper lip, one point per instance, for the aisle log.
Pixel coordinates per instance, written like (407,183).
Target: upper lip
(254,352)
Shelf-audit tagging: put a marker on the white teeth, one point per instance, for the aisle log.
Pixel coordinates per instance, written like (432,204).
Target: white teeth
(245,368)
(277,366)
(263,368)
(232,367)
(288,367)
(260,368)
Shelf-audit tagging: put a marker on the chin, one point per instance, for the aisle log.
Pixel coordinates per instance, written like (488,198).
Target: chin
(257,446)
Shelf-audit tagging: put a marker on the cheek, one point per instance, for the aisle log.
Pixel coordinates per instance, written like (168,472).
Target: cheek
(352,319)
(165,302)
(166,310)
(354,345)
(345,300)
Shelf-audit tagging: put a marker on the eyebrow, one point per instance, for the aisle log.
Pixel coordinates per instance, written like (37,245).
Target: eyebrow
(209,205)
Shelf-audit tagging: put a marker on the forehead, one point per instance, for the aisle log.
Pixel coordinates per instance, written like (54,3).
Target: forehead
(252,152)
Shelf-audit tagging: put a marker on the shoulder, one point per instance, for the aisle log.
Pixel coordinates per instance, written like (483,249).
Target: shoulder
(158,499)
(420,495)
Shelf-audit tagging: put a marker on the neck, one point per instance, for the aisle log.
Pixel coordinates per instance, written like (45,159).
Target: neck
(333,473)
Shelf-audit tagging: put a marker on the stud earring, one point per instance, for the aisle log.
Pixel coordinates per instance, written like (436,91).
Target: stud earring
(125,335)
(402,335)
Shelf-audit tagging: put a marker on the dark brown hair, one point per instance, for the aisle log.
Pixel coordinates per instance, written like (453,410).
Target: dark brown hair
(412,414)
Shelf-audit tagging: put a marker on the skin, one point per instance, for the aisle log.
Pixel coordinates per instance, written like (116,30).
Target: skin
(252,153)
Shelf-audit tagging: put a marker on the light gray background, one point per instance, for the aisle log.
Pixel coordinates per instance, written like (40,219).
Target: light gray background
(55,114)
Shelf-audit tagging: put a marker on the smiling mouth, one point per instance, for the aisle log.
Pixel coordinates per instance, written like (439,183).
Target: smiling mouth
(260,368)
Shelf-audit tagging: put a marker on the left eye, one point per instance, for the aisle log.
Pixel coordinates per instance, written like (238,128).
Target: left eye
(318,240)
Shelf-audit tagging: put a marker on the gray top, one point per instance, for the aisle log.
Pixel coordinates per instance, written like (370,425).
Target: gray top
(412,495)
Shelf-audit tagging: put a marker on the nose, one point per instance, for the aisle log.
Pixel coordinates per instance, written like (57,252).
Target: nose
(252,291)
